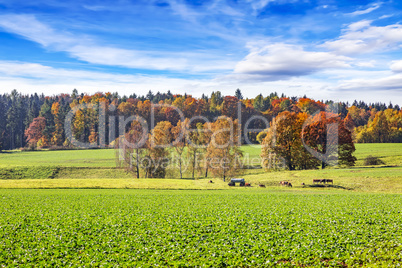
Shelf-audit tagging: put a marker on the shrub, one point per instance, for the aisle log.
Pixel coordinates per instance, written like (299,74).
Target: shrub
(373,160)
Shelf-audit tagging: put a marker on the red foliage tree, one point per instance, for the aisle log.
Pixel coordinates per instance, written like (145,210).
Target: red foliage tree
(35,130)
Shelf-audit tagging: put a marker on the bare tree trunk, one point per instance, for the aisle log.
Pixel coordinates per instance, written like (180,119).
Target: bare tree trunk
(138,163)
(181,175)
(194,163)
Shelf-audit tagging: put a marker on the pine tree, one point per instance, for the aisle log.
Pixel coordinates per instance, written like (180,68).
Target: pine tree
(46,112)
(150,96)
(238,94)
(13,117)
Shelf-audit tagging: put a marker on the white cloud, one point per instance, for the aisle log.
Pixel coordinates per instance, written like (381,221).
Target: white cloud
(365,11)
(359,25)
(85,49)
(392,82)
(369,64)
(396,66)
(360,38)
(32,77)
(282,61)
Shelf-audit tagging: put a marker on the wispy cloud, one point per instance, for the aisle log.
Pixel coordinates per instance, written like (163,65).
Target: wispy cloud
(85,48)
(257,5)
(384,84)
(183,10)
(361,37)
(365,11)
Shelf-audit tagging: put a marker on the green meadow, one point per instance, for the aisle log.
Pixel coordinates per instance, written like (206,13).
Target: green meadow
(96,169)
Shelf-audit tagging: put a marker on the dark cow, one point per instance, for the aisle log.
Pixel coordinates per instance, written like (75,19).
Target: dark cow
(323,181)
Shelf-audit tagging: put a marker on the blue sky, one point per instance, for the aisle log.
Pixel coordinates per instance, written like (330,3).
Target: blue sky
(340,50)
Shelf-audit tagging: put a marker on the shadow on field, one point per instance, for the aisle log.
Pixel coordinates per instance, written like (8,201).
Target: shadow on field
(326,186)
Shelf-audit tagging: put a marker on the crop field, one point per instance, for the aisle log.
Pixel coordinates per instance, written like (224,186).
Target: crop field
(354,222)
(150,228)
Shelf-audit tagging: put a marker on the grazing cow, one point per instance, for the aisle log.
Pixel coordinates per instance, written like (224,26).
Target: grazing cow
(248,184)
(210,181)
(303,183)
(331,181)
(262,185)
(285,183)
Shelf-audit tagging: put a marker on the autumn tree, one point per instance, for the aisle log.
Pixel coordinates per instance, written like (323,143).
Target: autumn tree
(179,134)
(230,107)
(197,140)
(157,150)
(329,139)
(34,132)
(283,141)
(223,150)
(131,146)
(385,126)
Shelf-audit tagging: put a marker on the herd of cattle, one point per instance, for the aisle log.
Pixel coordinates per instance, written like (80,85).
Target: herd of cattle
(286,183)
(282,183)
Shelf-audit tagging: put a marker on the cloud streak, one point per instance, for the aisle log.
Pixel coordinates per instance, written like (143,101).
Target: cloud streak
(85,49)
(281,61)
(32,77)
(366,11)
(361,37)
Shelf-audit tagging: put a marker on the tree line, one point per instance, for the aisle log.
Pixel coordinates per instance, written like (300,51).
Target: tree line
(38,121)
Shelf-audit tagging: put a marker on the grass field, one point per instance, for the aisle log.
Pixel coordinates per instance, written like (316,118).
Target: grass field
(64,158)
(144,228)
(390,153)
(96,169)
